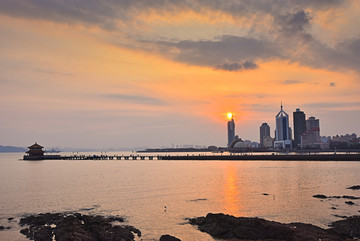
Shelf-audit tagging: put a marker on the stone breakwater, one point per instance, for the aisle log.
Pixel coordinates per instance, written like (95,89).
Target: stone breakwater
(224,226)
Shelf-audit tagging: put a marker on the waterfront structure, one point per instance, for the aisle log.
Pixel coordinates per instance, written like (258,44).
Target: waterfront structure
(35,150)
(230,130)
(299,126)
(282,135)
(311,137)
(264,133)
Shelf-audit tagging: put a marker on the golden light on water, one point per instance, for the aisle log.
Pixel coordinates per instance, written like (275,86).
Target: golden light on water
(229,115)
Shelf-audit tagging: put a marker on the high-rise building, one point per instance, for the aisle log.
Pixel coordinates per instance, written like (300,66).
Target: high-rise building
(299,126)
(282,135)
(311,137)
(264,132)
(231,130)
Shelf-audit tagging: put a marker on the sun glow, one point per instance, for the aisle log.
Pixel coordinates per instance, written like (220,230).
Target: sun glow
(229,115)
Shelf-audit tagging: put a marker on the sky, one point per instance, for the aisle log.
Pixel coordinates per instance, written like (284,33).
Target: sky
(153,73)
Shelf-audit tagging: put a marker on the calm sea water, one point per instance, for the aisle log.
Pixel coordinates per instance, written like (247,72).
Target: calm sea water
(157,196)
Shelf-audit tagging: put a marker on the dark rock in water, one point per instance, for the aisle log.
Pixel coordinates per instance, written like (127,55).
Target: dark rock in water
(350,197)
(168,237)
(10,219)
(265,194)
(356,187)
(229,227)
(349,227)
(2,227)
(350,202)
(320,196)
(333,208)
(76,226)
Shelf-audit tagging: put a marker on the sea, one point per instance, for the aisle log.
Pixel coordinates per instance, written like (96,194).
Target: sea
(158,197)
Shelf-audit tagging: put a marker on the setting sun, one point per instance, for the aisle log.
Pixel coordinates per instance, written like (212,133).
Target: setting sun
(229,115)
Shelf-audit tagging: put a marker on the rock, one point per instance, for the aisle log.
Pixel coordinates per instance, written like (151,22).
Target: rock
(229,227)
(333,208)
(321,196)
(77,227)
(350,197)
(349,227)
(168,237)
(356,187)
(2,227)
(350,202)
(265,194)
(10,218)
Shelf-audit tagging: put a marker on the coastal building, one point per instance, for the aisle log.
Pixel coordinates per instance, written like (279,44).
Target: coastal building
(35,150)
(264,133)
(282,135)
(311,137)
(230,130)
(268,142)
(299,126)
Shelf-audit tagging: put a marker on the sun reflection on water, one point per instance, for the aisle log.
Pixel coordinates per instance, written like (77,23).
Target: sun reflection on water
(233,204)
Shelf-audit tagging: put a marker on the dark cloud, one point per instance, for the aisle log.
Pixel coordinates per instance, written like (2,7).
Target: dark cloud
(293,23)
(137,99)
(237,66)
(225,52)
(104,13)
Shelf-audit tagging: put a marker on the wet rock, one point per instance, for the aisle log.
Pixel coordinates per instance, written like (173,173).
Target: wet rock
(2,227)
(168,237)
(350,197)
(349,227)
(265,194)
(10,219)
(350,202)
(321,196)
(356,187)
(229,227)
(64,227)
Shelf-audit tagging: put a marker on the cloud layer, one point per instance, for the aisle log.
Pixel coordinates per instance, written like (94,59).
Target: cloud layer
(286,34)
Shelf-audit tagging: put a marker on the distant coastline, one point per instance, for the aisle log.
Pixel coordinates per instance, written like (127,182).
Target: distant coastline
(11,149)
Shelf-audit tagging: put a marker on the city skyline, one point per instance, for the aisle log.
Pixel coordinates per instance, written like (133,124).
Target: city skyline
(156,73)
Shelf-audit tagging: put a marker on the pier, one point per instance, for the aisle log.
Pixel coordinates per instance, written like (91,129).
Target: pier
(210,157)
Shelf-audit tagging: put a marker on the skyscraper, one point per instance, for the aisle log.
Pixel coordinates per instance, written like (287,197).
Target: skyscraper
(299,126)
(282,135)
(264,132)
(311,137)
(231,130)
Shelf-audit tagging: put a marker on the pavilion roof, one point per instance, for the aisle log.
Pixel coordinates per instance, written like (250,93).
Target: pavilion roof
(35,146)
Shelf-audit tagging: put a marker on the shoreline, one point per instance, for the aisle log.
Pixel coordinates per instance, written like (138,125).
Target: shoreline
(67,226)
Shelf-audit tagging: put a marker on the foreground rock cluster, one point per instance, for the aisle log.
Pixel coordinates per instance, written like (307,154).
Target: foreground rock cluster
(63,227)
(239,228)
(78,227)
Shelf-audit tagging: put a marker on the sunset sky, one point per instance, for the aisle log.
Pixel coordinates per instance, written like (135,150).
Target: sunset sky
(76,73)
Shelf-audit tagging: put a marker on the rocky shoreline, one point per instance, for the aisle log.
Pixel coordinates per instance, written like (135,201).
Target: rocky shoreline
(79,227)
(224,226)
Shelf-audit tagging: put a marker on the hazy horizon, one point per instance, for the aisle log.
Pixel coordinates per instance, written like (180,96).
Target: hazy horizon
(106,74)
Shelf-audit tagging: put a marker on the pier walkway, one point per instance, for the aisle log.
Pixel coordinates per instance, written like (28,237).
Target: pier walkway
(210,157)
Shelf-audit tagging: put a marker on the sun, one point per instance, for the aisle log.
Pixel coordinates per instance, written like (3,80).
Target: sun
(229,115)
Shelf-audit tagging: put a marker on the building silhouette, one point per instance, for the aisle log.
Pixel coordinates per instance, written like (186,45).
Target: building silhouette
(299,126)
(231,131)
(311,137)
(264,132)
(282,135)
